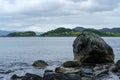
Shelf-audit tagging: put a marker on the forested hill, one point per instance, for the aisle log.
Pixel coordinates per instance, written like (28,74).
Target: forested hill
(64,32)
(78,30)
(22,34)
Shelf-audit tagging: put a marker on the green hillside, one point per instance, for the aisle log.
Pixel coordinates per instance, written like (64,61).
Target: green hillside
(22,34)
(76,31)
(61,32)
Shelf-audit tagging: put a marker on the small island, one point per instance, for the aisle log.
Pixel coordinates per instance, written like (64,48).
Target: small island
(22,34)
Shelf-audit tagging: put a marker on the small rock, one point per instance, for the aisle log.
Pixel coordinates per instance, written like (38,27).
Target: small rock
(118,64)
(60,76)
(101,72)
(14,77)
(116,67)
(60,70)
(77,71)
(114,70)
(97,68)
(6,72)
(39,63)
(71,64)
(67,70)
(48,70)
(29,76)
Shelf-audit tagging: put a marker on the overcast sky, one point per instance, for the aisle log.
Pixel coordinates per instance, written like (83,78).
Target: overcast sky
(44,15)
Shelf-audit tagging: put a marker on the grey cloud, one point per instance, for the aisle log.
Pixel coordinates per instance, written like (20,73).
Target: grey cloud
(37,14)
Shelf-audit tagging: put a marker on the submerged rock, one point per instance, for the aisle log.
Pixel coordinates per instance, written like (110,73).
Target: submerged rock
(67,70)
(61,76)
(48,70)
(28,76)
(39,63)
(71,64)
(116,67)
(118,64)
(60,70)
(6,72)
(101,72)
(90,48)
(15,77)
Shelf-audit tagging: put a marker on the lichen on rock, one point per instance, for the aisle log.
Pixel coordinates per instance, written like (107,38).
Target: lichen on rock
(91,48)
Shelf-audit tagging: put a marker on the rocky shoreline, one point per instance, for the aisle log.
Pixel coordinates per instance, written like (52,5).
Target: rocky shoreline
(93,60)
(76,72)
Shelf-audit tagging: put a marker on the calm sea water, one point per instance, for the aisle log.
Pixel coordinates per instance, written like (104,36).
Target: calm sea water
(18,53)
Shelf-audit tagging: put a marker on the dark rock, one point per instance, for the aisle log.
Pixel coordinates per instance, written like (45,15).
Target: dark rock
(48,70)
(29,76)
(101,72)
(39,63)
(60,70)
(118,64)
(6,72)
(15,77)
(71,64)
(61,76)
(90,48)
(67,70)
(116,67)
(114,70)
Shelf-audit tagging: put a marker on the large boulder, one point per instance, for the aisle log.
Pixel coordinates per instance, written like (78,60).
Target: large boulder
(91,48)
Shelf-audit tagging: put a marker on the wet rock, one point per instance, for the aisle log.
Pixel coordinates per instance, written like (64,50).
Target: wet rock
(29,76)
(118,64)
(6,72)
(67,70)
(48,70)
(90,48)
(60,70)
(61,76)
(86,71)
(71,64)
(15,77)
(97,68)
(101,72)
(39,63)
(88,78)
(77,71)
(116,67)
(101,67)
